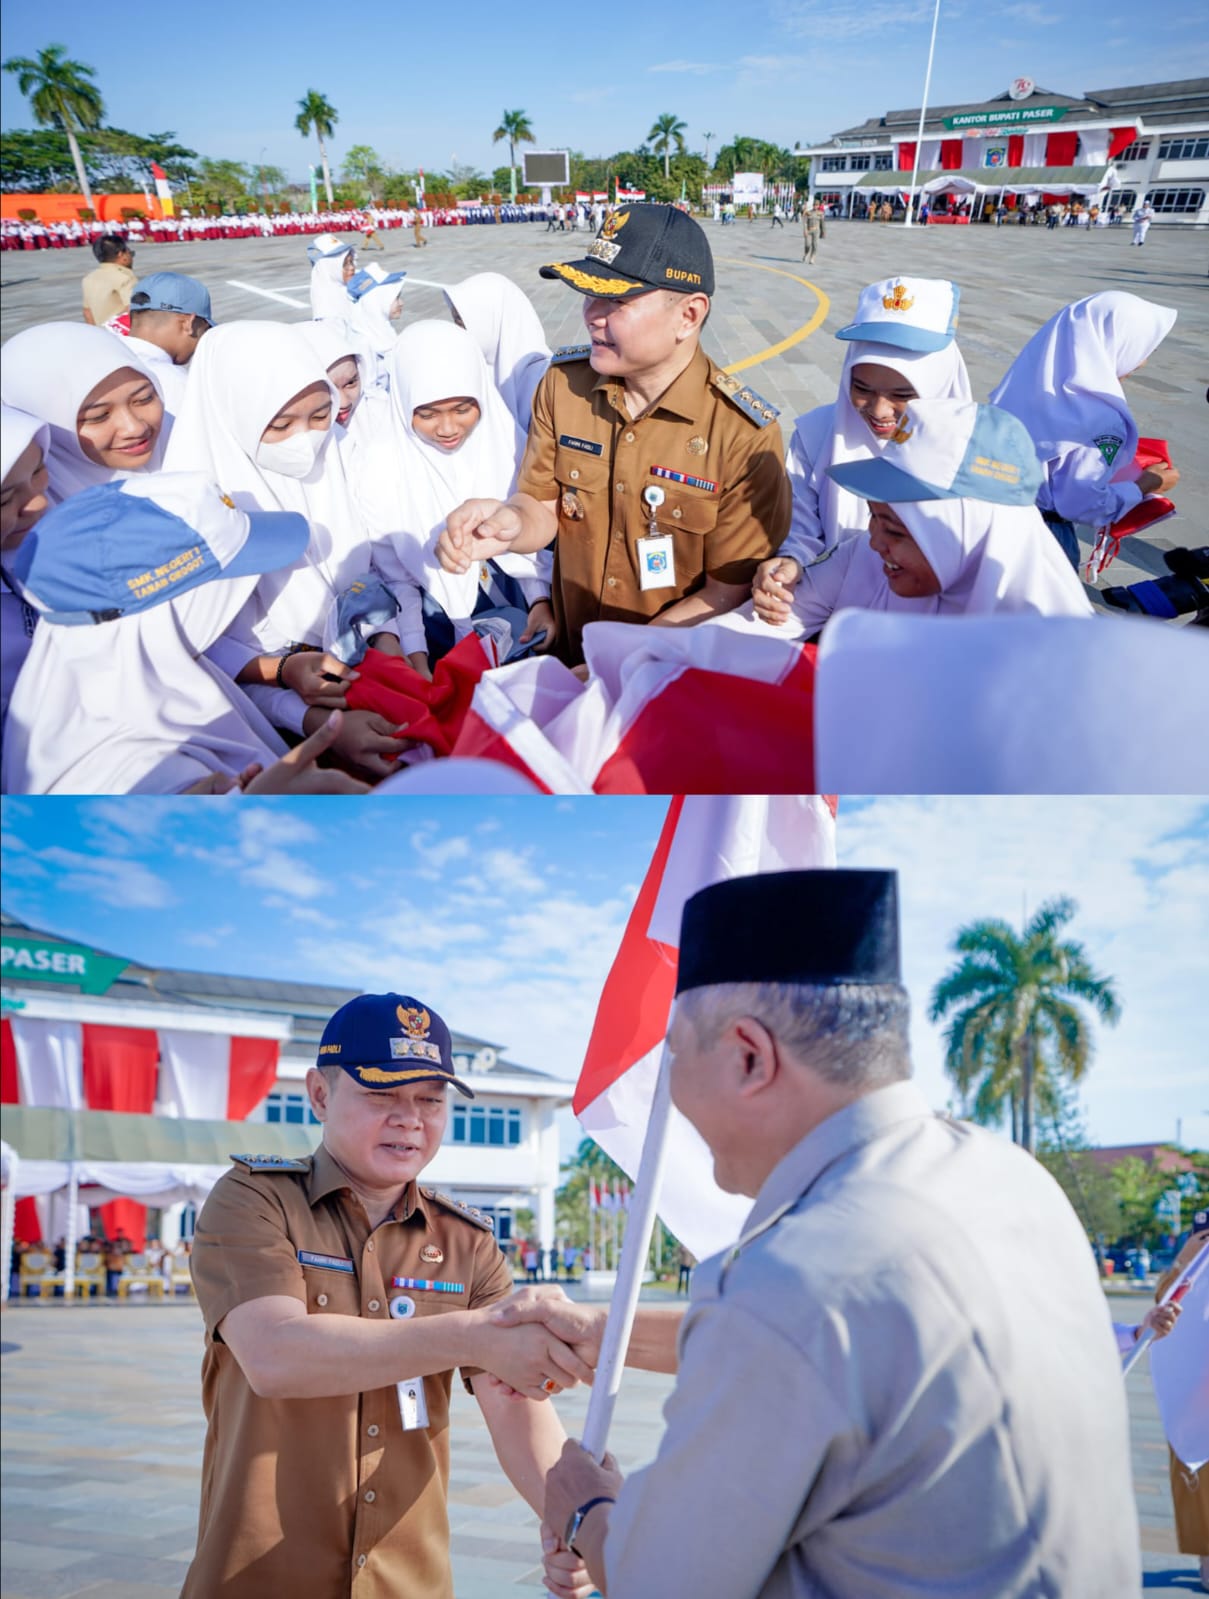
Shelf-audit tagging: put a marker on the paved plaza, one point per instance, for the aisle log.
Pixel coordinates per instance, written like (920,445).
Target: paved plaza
(102,1447)
(1012,279)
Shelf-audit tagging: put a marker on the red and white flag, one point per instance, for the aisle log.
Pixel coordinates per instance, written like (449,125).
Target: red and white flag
(704,840)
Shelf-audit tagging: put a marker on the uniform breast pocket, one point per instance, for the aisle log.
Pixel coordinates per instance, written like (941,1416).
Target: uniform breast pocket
(684,510)
(331,1293)
(583,483)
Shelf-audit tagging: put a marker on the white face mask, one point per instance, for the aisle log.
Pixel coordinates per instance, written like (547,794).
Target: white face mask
(292,457)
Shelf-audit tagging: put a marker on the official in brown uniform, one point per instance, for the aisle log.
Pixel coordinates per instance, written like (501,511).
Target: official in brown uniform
(338,1296)
(659,477)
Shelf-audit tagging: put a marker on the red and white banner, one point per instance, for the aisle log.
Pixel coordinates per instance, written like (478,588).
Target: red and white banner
(163,192)
(697,710)
(629,194)
(704,841)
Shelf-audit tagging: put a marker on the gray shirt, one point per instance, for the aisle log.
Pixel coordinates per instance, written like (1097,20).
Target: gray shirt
(903,1381)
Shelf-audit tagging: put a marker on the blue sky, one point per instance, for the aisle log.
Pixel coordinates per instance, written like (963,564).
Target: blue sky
(505,914)
(425,84)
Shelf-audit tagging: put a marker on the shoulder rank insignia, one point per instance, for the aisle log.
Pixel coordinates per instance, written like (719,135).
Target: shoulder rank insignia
(274,1163)
(753,406)
(467,1212)
(571,352)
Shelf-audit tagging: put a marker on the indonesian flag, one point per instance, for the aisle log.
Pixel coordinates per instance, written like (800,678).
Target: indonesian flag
(593,1196)
(629,194)
(704,840)
(582,198)
(163,192)
(600,196)
(1179,1369)
(695,710)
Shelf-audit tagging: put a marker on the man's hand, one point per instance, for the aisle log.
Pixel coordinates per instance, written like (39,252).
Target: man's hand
(297,773)
(574,1479)
(772,589)
(1162,1318)
(541,615)
(318,678)
(475,531)
(566,1575)
(1158,479)
(366,741)
(530,1359)
(580,1326)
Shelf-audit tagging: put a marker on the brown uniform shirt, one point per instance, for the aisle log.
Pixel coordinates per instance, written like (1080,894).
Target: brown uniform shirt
(588,453)
(326,1498)
(107,291)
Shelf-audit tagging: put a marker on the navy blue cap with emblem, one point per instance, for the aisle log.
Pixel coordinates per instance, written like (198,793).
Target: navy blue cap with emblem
(818,927)
(640,248)
(387,1040)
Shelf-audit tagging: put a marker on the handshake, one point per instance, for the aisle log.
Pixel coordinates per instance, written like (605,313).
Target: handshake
(539,1342)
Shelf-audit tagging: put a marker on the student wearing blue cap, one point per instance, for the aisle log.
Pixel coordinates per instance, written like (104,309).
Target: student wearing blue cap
(339,1294)
(169,314)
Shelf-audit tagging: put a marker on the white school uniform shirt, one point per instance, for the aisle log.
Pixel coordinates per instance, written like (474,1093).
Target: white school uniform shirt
(18,619)
(1065,386)
(172,379)
(49,371)
(133,706)
(823,512)
(244,373)
(902,1381)
(500,318)
(329,293)
(407,486)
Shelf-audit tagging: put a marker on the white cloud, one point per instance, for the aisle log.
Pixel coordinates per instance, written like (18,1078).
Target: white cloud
(837,20)
(435,855)
(510,870)
(117,882)
(282,874)
(698,68)
(1037,16)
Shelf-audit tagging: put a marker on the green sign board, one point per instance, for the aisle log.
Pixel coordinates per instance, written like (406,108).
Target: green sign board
(1016,116)
(35,960)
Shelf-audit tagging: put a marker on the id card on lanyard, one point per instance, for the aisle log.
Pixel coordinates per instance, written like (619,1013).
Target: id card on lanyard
(656,557)
(413,1406)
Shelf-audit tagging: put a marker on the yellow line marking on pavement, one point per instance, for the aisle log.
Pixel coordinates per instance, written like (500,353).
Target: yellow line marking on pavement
(796,337)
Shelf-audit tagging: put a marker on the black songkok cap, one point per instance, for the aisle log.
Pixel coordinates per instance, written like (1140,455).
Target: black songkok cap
(816,927)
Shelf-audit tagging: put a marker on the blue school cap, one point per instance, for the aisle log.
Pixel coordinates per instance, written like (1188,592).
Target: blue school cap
(120,548)
(172,291)
(371,277)
(949,450)
(387,1040)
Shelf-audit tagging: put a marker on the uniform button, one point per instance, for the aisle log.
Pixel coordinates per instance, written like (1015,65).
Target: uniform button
(375,1304)
(574,472)
(372,1429)
(676,513)
(361,1560)
(621,488)
(370,1497)
(321,1301)
(370,1246)
(612,582)
(629,438)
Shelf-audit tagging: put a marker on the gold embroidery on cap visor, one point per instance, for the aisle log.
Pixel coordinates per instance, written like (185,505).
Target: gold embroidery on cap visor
(375,1074)
(615,287)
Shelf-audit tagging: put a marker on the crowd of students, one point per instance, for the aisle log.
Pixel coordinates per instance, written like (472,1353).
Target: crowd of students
(203,528)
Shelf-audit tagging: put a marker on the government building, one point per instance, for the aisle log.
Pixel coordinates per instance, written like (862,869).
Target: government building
(1109,147)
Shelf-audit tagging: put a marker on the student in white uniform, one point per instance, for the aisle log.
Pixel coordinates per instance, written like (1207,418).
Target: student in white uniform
(1065,386)
(953,528)
(451,437)
(333,262)
(376,308)
(169,314)
(104,407)
(24,442)
(116,695)
(360,406)
(257,419)
(499,316)
(901,347)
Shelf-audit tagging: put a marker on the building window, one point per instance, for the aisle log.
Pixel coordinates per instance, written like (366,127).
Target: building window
(292,1108)
(1186,201)
(1183,149)
(861,163)
(1139,150)
(1125,200)
(487,1124)
(834,163)
(883,161)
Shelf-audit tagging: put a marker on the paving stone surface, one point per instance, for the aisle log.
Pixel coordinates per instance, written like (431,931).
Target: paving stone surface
(1012,280)
(102,1444)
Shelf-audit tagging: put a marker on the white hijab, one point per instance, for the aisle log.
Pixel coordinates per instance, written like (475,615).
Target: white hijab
(500,318)
(243,373)
(49,371)
(1065,385)
(988,559)
(132,706)
(409,486)
(329,292)
(933,374)
(18,430)
(334,341)
(368,316)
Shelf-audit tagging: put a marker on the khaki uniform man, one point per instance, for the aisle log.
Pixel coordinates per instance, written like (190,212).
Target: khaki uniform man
(107,289)
(658,477)
(338,1294)
(812,230)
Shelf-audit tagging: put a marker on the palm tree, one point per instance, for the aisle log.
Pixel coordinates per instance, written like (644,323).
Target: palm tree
(514,126)
(1015,1035)
(61,96)
(315,111)
(668,130)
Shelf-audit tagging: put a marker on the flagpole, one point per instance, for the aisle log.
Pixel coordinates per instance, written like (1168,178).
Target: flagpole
(643,1200)
(923,111)
(1174,1294)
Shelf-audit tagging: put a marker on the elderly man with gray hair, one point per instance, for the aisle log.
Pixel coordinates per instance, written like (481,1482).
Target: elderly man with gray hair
(902,1380)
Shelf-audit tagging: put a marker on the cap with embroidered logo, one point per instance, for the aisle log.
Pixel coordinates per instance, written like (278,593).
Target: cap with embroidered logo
(371,277)
(949,450)
(120,548)
(907,313)
(387,1041)
(325,244)
(639,248)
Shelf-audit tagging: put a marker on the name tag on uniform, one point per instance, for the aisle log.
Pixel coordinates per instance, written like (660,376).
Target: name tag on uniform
(656,563)
(328,1262)
(413,1406)
(584,446)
